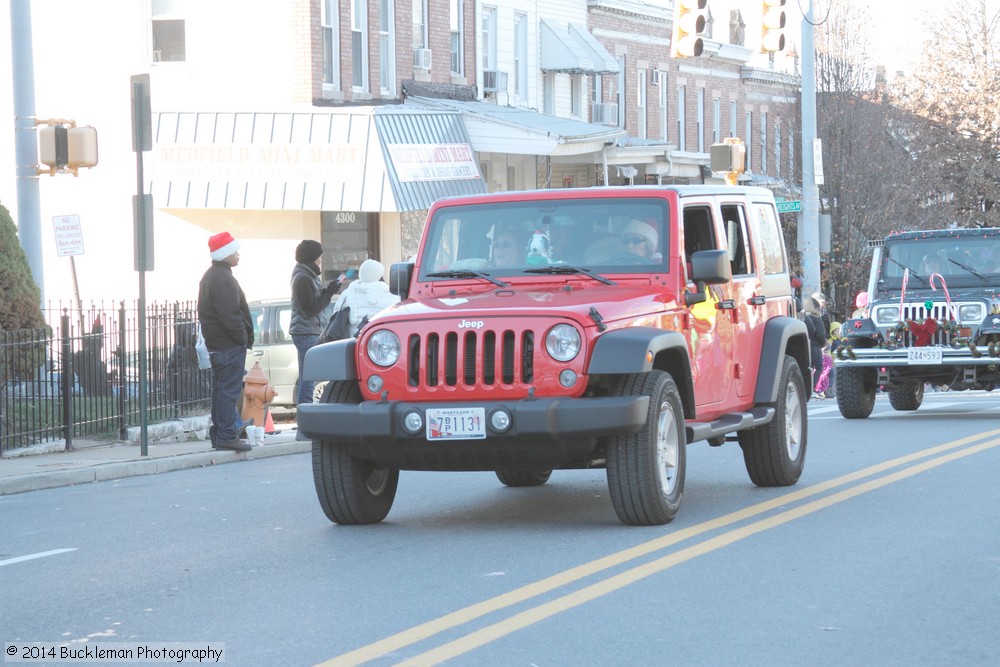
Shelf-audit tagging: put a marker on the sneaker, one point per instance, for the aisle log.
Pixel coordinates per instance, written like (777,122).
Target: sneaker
(818,396)
(232,445)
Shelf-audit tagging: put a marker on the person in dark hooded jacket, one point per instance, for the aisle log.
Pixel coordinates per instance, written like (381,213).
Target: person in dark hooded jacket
(817,339)
(309,299)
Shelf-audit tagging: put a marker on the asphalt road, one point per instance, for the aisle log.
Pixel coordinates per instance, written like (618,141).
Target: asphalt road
(887,552)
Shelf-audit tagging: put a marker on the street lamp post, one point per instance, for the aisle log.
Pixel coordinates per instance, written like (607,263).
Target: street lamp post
(810,185)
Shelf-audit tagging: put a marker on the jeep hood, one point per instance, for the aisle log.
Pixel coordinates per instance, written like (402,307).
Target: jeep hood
(571,299)
(919,292)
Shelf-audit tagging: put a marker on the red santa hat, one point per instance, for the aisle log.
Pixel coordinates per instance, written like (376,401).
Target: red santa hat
(222,245)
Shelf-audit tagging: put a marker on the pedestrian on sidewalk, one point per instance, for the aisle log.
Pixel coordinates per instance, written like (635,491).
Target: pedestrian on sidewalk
(228,332)
(817,340)
(309,301)
(367,295)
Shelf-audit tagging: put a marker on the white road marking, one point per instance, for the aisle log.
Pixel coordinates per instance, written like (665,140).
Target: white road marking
(43,554)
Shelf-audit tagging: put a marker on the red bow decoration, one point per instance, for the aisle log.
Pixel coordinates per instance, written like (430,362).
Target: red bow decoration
(922,333)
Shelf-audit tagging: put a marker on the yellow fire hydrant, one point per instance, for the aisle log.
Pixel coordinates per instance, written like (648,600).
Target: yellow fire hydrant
(258,392)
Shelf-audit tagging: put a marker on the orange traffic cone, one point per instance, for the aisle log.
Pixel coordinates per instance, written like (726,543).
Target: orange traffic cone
(269,425)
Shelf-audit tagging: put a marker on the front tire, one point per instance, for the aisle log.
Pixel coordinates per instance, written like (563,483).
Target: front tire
(775,453)
(908,397)
(514,477)
(856,392)
(351,491)
(646,469)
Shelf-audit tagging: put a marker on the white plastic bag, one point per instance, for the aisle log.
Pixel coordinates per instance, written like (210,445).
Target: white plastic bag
(204,358)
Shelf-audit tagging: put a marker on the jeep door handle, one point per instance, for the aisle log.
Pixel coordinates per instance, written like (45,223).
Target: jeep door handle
(727,304)
(757,300)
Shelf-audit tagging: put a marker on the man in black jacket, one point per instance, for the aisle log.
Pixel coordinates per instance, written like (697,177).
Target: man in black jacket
(228,332)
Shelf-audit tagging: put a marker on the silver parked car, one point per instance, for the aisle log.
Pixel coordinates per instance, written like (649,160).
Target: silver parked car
(274,350)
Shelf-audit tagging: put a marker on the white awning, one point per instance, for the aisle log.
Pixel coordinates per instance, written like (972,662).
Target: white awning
(574,51)
(383,159)
(604,61)
(500,129)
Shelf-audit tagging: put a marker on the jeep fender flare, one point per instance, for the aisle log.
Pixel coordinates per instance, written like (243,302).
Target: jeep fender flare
(331,361)
(782,335)
(640,350)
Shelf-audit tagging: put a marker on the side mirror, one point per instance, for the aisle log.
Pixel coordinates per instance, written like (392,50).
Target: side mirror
(711,267)
(399,279)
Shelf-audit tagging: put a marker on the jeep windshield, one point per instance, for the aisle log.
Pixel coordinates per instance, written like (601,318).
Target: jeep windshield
(508,239)
(962,260)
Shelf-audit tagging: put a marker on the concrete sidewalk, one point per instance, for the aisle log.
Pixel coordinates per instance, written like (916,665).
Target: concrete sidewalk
(170,446)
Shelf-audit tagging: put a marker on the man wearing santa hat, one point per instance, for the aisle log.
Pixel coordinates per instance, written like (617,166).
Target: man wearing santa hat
(228,332)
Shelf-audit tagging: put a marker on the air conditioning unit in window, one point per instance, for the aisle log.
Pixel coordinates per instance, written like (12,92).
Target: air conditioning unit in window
(654,77)
(421,58)
(494,81)
(604,113)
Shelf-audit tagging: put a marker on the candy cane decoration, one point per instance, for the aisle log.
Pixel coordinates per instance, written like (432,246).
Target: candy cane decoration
(947,297)
(902,294)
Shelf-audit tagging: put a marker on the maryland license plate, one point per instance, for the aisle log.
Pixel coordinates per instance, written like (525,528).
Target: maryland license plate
(456,423)
(923,355)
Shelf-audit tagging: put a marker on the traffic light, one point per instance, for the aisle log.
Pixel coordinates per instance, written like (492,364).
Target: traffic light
(772,37)
(729,158)
(689,21)
(64,147)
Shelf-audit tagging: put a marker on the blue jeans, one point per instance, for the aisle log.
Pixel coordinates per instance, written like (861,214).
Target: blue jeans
(227,385)
(302,344)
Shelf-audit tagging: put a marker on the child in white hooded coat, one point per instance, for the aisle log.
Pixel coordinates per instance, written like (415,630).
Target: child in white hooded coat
(367,295)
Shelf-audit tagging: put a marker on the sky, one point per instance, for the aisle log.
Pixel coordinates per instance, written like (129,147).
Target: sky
(897,25)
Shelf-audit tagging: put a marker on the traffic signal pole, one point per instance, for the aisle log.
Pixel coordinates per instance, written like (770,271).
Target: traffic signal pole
(29,225)
(810,186)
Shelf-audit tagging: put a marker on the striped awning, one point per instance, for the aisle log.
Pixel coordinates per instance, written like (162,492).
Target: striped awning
(379,159)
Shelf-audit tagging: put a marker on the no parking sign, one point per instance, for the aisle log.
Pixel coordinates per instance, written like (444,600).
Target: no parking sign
(69,235)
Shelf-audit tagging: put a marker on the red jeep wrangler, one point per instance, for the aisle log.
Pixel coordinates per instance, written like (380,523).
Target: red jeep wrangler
(579,328)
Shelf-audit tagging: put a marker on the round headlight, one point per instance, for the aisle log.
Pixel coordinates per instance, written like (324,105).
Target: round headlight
(971,312)
(563,342)
(384,348)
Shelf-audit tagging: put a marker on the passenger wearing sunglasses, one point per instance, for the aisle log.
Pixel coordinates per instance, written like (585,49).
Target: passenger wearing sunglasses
(508,250)
(641,238)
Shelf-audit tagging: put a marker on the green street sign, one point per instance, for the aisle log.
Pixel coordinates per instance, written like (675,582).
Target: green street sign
(789,206)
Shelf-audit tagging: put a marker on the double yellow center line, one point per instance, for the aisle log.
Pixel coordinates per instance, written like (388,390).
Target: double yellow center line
(911,464)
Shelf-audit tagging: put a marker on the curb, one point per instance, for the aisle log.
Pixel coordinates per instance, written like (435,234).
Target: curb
(121,469)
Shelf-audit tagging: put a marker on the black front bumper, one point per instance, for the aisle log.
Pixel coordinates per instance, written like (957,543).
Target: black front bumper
(544,432)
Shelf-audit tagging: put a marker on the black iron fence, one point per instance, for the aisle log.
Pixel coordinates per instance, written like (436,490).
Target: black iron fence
(81,376)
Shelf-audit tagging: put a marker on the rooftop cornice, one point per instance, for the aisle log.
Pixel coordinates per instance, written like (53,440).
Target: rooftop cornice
(632,8)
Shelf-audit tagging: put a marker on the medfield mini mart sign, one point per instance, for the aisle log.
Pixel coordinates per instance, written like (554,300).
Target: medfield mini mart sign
(69,235)
(433,162)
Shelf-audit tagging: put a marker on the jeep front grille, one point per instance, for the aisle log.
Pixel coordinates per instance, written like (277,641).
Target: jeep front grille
(471,358)
(918,312)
